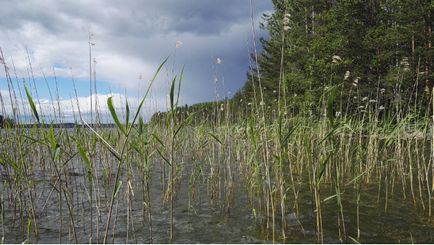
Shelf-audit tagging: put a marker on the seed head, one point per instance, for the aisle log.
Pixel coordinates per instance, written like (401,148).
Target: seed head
(336,59)
(347,75)
(285,20)
(178,44)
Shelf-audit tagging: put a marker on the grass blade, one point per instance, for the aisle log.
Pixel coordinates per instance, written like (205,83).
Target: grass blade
(172,94)
(109,147)
(32,104)
(215,137)
(114,115)
(179,84)
(86,161)
(146,95)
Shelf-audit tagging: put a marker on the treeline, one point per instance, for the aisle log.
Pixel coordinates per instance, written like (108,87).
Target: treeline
(6,122)
(363,53)
(368,50)
(213,113)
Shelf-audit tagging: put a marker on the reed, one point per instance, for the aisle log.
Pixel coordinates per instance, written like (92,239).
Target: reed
(275,157)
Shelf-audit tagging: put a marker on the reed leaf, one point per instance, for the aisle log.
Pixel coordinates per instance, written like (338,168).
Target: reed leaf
(179,84)
(86,161)
(216,138)
(146,95)
(114,115)
(109,147)
(127,110)
(172,94)
(32,104)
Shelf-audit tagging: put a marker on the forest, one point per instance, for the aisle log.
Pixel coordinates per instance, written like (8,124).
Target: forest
(329,140)
(361,51)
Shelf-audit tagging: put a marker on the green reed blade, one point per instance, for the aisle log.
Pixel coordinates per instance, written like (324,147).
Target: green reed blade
(32,104)
(114,115)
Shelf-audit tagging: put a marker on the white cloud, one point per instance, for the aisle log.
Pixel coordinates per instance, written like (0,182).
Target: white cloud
(131,38)
(70,109)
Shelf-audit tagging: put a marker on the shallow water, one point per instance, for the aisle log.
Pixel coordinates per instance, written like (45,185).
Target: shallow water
(208,220)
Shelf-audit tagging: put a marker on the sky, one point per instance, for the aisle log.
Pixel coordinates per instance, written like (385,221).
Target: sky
(45,44)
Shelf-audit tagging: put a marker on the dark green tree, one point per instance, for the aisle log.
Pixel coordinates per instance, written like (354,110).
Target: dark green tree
(360,47)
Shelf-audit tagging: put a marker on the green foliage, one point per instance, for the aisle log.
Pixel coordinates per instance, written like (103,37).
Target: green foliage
(6,122)
(32,104)
(363,45)
(86,161)
(114,115)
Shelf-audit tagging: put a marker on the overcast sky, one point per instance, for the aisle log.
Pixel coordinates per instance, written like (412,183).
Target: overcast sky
(131,38)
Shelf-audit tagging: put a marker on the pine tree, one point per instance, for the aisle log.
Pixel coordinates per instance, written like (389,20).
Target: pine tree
(354,45)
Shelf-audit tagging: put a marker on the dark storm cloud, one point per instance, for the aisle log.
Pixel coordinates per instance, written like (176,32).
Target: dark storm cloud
(132,34)
(202,17)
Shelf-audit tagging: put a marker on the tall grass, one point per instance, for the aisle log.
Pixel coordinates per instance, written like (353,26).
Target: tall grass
(273,158)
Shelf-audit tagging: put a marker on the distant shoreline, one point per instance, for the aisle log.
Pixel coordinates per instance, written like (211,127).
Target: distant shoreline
(62,125)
